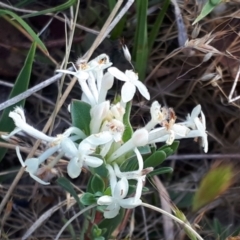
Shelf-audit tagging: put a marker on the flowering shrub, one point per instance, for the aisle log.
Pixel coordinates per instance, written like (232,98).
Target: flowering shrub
(101,139)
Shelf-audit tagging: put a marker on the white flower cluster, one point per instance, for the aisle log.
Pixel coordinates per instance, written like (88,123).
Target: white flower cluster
(104,144)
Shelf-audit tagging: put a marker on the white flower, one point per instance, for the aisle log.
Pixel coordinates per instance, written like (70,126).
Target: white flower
(98,113)
(106,83)
(190,122)
(138,139)
(138,175)
(83,75)
(162,134)
(131,82)
(81,156)
(117,200)
(158,115)
(32,164)
(115,128)
(117,111)
(20,122)
(198,125)
(200,132)
(170,130)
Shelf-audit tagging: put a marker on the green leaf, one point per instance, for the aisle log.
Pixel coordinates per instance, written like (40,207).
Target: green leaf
(88,199)
(155,159)
(111,224)
(130,164)
(26,27)
(80,112)
(140,51)
(156,27)
(107,192)
(126,121)
(67,185)
(97,184)
(21,85)
(101,170)
(96,232)
(174,146)
(59,8)
(207,8)
(161,170)
(216,182)
(170,149)
(89,186)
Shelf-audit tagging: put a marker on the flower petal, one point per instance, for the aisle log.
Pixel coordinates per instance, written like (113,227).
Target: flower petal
(118,74)
(196,111)
(180,130)
(32,165)
(99,138)
(121,189)
(74,168)
(130,203)
(128,91)
(93,161)
(105,200)
(111,213)
(69,147)
(142,89)
(38,179)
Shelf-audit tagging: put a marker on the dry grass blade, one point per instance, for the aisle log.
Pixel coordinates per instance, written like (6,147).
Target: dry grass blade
(45,216)
(167,222)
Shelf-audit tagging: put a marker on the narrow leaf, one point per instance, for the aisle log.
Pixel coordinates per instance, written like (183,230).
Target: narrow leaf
(28,29)
(21,85)
(156,27)
(58,8)
(140,51)
(207,8)
(126,120)
(67,185)
(161,170)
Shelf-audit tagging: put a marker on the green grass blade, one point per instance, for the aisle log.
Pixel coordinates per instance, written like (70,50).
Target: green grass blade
(59,8)
(29,30)
(111,4)
(207,8)
(20,86)
(140,51)
(155,29)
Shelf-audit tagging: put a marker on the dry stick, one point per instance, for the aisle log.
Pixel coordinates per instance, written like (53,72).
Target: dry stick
(69,88)
(66,58)
(230,99)
(32,90)
(10,85)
